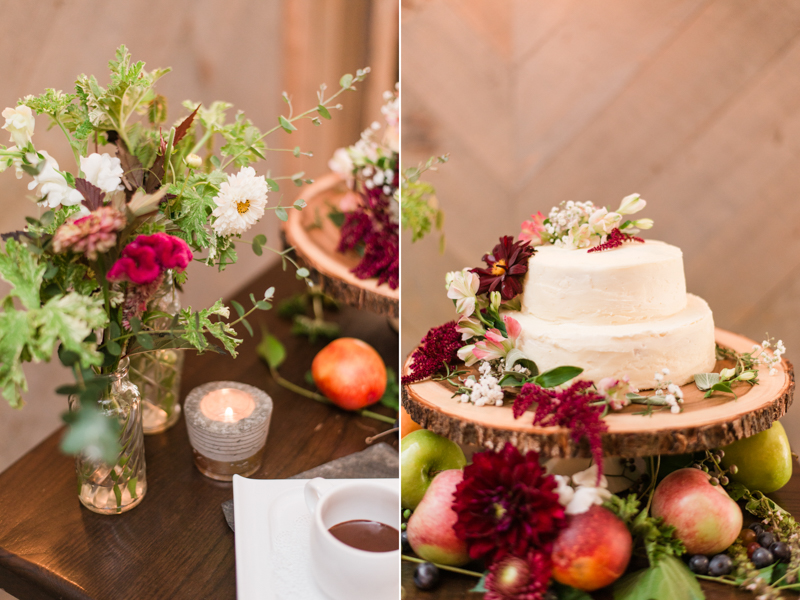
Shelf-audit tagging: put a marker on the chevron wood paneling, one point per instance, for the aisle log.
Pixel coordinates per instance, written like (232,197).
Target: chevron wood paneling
(694,104)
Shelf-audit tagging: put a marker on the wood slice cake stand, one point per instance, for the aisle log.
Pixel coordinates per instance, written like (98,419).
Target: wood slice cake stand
(315,238)
(703,424)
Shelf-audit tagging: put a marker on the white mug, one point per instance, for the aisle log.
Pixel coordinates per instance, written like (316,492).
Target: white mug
(341,571)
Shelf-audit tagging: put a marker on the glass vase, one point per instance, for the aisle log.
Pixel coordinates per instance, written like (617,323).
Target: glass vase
(157,374)
(115,488)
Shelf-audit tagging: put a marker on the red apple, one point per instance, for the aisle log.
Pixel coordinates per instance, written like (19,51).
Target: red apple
(430,528)
(350,373)
(592,551)
(705,518)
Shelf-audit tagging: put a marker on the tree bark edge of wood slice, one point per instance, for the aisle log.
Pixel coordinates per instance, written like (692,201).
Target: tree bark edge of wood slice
(706,424)
(314,238)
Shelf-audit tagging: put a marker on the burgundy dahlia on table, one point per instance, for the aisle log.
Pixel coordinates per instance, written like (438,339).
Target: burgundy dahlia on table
(439,347)
(571,408)
(506,267)
(507,506)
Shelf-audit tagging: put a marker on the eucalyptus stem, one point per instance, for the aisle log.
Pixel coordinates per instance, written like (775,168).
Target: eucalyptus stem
(717,579)
(414,559)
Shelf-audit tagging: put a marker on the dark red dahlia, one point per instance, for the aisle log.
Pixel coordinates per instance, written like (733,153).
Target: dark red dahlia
(513,578)
(506,505)
(615,239)
(571,408)
(506,266)
(437,349)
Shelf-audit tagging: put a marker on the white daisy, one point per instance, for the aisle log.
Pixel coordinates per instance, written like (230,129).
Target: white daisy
(240,202)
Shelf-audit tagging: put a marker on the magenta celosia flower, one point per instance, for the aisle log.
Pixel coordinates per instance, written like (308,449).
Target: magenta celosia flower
(145,259)
(437,349)
(532,230)
(507,505)
(514,578)
(570,408)
(91,235)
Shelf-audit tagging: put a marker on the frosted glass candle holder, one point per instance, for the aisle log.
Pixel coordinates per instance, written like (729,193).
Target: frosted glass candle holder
(228,424)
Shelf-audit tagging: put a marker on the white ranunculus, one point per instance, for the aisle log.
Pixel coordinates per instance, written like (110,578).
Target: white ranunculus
(51,186)
(240,203)
(103,170)
(20,124)
(631,204)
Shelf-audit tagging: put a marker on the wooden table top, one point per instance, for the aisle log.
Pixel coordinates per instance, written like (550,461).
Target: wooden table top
(176,544)
(453,586)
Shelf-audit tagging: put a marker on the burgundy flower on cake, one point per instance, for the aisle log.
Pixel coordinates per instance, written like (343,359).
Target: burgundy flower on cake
(615,239)
(507,506)
(506,267)
(439,347)
(514,578)
(145,259)
(570,408)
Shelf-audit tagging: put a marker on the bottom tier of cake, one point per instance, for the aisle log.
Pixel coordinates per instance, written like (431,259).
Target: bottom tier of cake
(683,342)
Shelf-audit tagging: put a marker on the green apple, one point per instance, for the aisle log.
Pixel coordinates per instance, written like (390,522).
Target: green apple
(423,454)
(763,460)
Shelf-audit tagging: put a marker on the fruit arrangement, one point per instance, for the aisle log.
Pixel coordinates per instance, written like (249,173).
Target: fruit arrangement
(527,534)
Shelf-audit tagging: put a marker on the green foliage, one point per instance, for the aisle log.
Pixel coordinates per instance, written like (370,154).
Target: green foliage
(92,433)
(419,210)
(21,268)
(391,397)
(669,579)
(271,350)
(196,325)
(651,537)
(192,208)
(565,592)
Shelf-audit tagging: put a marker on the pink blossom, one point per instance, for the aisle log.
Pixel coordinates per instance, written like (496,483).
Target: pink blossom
(496,345)
(532,230)
(91,235)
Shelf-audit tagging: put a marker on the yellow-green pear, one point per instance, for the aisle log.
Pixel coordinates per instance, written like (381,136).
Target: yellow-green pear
(763,460)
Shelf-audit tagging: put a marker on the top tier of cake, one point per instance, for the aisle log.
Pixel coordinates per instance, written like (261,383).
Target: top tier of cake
(634,283)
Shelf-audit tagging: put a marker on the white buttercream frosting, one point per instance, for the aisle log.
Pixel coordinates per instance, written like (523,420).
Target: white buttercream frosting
(683,342)
(633,283)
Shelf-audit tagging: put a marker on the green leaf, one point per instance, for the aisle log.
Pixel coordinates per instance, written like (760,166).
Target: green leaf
(565,592)
(300,204)
(286,124)
(323,112)
(296,151)
(91,433)
(273,185)
(481,585)
(238,308)
(346,81)
(736,491)
(258,242)
(197,324)
(557,376)
(114,348)
(516,356)
(704,381)
(248,327)
(22,270)
(302,273)
(391,396)
(15,331)
(132,486)
(281,213)
(668,580)
(145,340)
(271,350)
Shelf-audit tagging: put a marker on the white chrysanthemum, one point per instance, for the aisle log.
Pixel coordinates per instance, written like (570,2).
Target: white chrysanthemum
(103,170)
(52,187)
(240,202)
(20,124)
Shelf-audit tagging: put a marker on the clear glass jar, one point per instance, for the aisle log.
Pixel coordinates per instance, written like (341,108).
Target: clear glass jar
(115,488)
(157,374)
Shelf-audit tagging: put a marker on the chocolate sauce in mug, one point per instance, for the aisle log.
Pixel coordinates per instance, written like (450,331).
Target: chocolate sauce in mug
(371,536)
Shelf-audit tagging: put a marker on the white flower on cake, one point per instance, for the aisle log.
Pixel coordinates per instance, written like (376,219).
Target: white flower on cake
(240,203)
(462,286)
(631,204)
(52,186)
(103,170)
(587,491)
(20,123)
(670,393)
(616,390)
(469,328)
(484,391)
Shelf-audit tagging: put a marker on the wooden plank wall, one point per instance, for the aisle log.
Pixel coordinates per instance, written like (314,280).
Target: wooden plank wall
(695,104)
(243,51)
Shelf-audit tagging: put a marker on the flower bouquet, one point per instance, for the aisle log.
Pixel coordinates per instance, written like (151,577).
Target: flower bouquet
(114,235)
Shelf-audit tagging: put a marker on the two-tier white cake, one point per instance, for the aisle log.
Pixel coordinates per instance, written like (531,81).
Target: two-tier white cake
(614,313)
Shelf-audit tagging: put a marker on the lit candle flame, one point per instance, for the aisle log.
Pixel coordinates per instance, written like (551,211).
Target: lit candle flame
(228,415)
